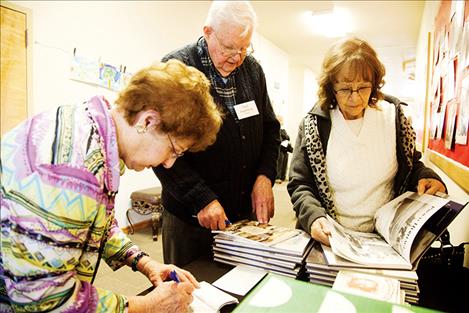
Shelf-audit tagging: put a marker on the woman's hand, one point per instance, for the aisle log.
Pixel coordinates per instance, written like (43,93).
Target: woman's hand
(430,186)
(168,297)
(320,230)
(158,272)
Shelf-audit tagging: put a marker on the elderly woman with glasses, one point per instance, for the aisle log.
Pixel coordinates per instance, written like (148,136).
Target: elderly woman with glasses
(355,149)
(59,176)
(232,180)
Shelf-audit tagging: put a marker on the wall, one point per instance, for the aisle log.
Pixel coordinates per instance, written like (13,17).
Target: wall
(274,61)
(458,229)
(134,34)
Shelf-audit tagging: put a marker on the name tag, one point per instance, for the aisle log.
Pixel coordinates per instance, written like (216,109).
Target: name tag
(246,109)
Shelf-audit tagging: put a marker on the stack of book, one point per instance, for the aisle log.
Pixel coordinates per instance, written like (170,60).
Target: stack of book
(405,228)
(323,266)
(272,248)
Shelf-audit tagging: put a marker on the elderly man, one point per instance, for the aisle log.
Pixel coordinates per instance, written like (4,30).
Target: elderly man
(231,180)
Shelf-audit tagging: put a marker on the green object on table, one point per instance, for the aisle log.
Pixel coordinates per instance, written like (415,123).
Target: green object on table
(282,294)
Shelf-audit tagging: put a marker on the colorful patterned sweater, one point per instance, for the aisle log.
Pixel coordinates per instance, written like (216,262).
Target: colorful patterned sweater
(60,172)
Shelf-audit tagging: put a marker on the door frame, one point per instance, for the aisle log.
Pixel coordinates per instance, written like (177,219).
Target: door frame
(29,51)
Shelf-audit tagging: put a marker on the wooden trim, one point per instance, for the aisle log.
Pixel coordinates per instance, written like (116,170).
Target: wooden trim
(137,226)
(29,50)
(426,105)
(457,172)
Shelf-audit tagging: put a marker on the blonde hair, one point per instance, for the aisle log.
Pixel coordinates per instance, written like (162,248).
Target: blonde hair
(181,95)
(363,62)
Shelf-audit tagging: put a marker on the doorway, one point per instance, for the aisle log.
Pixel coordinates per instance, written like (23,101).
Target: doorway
(14,66)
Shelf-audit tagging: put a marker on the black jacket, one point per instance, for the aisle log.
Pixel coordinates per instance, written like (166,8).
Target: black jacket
(243,150)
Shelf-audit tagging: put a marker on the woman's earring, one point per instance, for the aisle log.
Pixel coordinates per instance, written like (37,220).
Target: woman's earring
(140,128)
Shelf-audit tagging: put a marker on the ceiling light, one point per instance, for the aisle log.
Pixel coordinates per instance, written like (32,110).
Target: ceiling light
(330,23)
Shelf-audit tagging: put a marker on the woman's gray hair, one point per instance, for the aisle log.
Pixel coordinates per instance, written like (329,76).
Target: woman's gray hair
(232,12)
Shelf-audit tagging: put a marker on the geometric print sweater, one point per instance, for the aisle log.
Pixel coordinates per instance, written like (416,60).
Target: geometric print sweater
(60,172)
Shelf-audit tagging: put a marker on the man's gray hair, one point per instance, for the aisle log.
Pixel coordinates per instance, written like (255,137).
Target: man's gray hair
(233,13)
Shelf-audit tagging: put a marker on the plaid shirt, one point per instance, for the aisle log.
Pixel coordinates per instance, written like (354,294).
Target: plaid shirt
(226,90)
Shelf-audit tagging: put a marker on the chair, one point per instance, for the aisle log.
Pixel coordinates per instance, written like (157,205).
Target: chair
(144,202)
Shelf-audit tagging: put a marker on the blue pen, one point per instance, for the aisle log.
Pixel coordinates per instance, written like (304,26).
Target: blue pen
(227,222)
(174,276)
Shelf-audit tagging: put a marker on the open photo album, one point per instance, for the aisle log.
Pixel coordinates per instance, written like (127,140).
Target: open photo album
(405,228)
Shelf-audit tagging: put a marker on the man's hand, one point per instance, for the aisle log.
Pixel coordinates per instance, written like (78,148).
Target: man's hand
(212,216)
(262,198)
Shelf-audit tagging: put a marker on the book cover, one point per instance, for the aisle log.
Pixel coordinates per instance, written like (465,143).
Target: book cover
(255,232)
(369,285)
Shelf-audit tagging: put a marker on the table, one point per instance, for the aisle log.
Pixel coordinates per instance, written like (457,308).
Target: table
(438,287)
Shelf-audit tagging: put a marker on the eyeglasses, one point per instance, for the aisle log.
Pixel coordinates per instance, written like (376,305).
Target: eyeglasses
(347,92)
(175,154)
(232,53)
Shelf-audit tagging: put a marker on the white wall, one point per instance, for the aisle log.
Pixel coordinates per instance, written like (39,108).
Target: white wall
(274,62)
(296,90)
(134,34)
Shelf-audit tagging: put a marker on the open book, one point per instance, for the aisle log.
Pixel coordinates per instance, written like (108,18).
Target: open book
(405,229)
(255,232)
(208,299)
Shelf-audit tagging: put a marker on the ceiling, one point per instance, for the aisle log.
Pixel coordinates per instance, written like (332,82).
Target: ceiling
(392,27)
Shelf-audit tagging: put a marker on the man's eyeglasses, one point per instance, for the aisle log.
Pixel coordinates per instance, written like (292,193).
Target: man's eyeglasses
(175,154)
(232,53)
(347,92)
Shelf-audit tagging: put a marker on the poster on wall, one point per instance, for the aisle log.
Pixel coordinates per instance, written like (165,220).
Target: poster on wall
(450,123)
(463,113)
(92,71)
(84,69)
(465,47)
(448,88)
